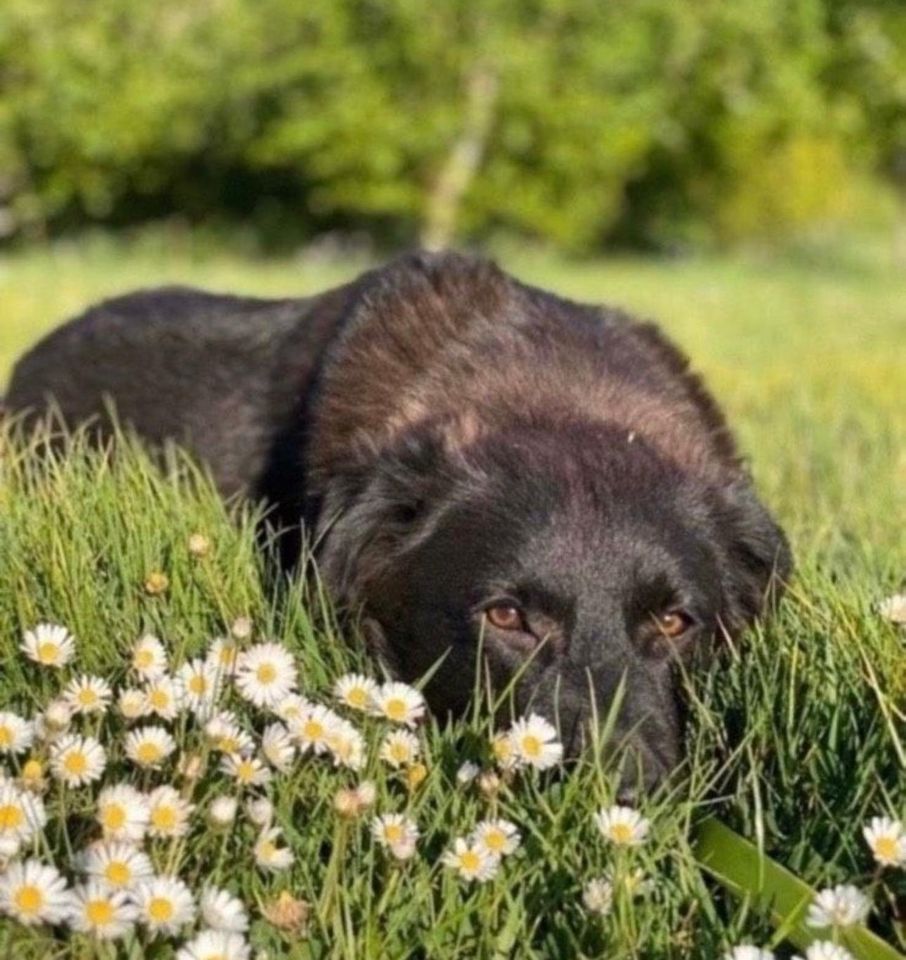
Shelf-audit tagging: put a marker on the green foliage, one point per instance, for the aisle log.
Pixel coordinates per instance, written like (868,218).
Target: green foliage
(644,121)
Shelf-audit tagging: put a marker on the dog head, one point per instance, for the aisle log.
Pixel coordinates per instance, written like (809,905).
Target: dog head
(576,559)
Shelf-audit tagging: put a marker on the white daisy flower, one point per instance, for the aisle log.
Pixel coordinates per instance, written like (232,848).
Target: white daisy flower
(16,733)
(222,810)
(265,674)
(242,628)
(260,811)
(132,704)
(77,760)
(314,727)
(164,696)
(597,895)
(399,702)
(470,861)
(33,893)
(201,684)
(292,709)
(467,772)
(746,951)
(222,911)
(165,905)
(88,694)
(149,658)
(277,747)
(839,906)
(246,771)
(894,608)
(396,833)
(346,745)
(356,691)
(400,748)
(49,644)
(886,839)
(498,837)
(117,865)
(57,716)
(222,656)
(623,826)
(268,855)
(149,747)
(168,813)
(226,735)
(103,913)
(122,812)
(826,950)
(535,742)
(215,945)
(503,746)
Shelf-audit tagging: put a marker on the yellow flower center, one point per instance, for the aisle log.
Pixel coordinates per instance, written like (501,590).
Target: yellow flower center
(266,673)
(11,816)
(117,873)
(267,850)
(75,763)
(160,909)
(144,659)
(99,912)
(228,656)
(197,684)
(228,744)
(531,745)
(886,848)
(87,697)
(33,770)
(48,652)
(395,709)
(621,833)
(503,748)
(470,861)
(357,697)
(113,817)
(6,737)
(29,899)
(399,751)
(164,818)
(245,770)
(393,832)
(495,840)
(214,956)
(148,752)
(159,699)
(313,730)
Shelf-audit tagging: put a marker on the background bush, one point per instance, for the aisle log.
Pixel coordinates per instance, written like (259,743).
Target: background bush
(579,122)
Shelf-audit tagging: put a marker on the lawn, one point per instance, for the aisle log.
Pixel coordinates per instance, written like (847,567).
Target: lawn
(795,739)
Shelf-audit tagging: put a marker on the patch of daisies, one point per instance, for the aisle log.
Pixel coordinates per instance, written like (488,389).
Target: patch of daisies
(232,720)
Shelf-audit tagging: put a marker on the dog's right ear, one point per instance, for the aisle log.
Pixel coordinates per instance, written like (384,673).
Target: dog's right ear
(370,516)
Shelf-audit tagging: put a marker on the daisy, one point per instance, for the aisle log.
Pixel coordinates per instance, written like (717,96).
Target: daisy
(470,861)
(16,733)
(246,771)
(346,745)
(268,855)
(149,658)
(894,608)
(226,735)
(57,716)
(489,783)
(356,691)
(313,728)
(241,628)
(498,837)
(222,911)
(826,950)
(467,773)
(77,760)
(32,775)
(277,747)
(400,747)
(198,545)
(839,906)
(265,674)
(396,833)
(887,840)
(123,813)
(292,709)
(49,645)
(201,684)
(222,811)
(215,945)
(504,749)
(400,703)
(597,895)
(119,866)
(746,951)
(623,826)
(164,697)
(33,893)
(350,802)
(132,704)
(164,904)
(88,694)
(103,913)
(149,746)
(260,811)
(168,813)
(535,742)
(222,656)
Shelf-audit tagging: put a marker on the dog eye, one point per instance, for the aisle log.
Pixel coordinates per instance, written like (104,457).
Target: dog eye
(505,616)
(673,623)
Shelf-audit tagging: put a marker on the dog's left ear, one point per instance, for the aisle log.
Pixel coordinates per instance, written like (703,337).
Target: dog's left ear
(757,560)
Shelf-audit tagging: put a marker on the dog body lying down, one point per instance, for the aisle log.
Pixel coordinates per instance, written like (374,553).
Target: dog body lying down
(475,458)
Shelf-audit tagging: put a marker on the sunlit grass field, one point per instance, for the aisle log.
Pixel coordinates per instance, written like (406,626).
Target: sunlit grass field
(795,738)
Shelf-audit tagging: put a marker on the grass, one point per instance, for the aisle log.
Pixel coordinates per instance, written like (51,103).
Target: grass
(794,739)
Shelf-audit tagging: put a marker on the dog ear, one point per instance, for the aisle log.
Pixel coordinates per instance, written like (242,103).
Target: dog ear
(373,514)
(757,560)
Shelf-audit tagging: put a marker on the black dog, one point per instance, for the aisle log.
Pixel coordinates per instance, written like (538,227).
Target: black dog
(474,457)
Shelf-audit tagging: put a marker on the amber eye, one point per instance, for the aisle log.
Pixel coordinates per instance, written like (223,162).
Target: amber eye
(673,623)
(505,616)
